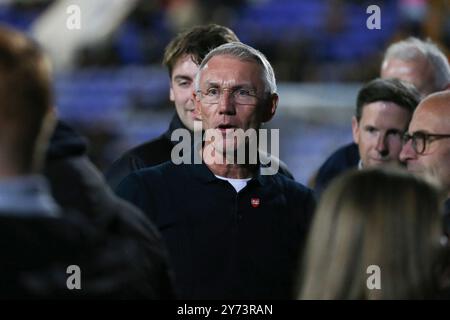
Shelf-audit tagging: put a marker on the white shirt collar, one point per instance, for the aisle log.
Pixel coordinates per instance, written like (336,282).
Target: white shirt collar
(27,196)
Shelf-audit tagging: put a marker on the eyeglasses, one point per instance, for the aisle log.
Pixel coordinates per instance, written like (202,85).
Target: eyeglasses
(239,95)
(421,139)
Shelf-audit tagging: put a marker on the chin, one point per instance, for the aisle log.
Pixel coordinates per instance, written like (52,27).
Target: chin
(415,171)
(376,163)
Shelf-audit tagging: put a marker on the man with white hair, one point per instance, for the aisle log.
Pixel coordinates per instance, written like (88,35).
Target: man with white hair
(231,231)
(420,62)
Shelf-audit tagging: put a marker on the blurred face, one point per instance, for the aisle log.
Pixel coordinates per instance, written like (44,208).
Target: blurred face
(379,132)
(232,97)
(181,88)
(416,72)
(435,159)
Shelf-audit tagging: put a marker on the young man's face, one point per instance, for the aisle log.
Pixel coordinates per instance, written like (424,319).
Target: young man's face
(379,132)
(181,89)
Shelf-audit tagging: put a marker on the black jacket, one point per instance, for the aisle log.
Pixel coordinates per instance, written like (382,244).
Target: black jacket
(223,244)
(343,159)
(37,253)
(77,185)
(155,152)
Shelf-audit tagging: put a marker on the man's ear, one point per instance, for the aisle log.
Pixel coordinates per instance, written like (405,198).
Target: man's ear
(171,95)
(197,106)
(355,129)
(270,108)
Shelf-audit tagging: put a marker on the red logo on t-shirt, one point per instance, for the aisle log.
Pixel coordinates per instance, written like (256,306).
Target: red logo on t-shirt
(255,202)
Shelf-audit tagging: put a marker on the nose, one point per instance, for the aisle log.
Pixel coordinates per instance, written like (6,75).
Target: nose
(407,152)
(226,103)
(381,145)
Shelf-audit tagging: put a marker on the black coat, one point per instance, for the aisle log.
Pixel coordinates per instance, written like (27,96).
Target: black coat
(77,185)
(223,244)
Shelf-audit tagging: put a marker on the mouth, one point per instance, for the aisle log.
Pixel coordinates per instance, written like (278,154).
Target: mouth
(224,127)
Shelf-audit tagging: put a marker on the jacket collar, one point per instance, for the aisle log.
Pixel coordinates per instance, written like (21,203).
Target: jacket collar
(175,124)
(204,174)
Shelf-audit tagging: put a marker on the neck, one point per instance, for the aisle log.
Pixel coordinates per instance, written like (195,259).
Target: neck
(221,166)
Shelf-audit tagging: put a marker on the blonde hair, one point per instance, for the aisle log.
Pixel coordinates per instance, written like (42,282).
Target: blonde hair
(383,217)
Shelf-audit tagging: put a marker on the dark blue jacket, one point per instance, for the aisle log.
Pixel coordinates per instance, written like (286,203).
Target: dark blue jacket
(154,152)
(223,244)
(343,159)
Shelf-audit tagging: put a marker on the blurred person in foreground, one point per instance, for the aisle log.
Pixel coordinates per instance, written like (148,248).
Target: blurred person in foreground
(233,231)
(182,58)
(42,238)
(376,234)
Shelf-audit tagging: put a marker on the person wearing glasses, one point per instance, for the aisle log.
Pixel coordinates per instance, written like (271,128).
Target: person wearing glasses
(182,57)
(232,232)
(426,146)
(383,110)
(419,62)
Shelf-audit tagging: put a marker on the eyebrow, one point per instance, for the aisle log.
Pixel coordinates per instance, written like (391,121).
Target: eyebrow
(246,85)
(395,130)
(182,77)
(421,131)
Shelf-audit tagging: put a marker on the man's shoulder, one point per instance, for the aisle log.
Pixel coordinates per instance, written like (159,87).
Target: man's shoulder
(151,152)
(299,198)
(343,158)
(348,153)
(288,185)
(145,155)
(163,173)
(165,168)
(268,160)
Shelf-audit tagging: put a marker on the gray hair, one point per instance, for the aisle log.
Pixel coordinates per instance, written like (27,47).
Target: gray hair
(242,52)
(412,47)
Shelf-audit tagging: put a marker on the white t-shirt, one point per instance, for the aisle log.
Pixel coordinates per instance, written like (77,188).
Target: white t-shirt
(238,184)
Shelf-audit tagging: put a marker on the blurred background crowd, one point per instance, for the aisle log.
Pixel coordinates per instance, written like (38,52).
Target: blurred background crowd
(111,86)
